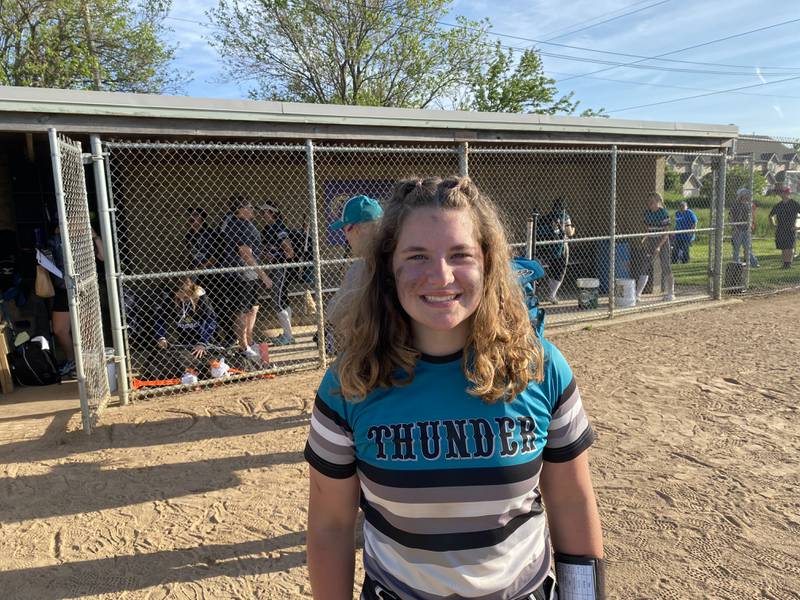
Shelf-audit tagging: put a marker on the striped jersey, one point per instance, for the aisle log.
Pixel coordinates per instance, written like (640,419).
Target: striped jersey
(449,483)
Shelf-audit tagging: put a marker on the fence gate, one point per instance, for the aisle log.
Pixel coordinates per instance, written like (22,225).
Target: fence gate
(80,275)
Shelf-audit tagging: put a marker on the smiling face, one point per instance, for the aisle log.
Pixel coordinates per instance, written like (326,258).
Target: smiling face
(438,270)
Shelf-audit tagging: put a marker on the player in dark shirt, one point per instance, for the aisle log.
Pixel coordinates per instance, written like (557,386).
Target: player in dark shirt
(243,249)
(784,217)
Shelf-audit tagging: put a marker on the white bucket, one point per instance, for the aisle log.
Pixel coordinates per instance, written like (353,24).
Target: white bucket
(587,292)
(625,292)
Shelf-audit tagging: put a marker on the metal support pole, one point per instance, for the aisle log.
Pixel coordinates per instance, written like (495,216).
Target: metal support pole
(118,265)
(463,159)
(529,242)
(312,199)
(110,266)
(612,236)
(750,217)
(719,227)
(69,270)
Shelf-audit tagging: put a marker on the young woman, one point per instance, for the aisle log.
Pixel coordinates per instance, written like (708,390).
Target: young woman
(184,327)
(448,421)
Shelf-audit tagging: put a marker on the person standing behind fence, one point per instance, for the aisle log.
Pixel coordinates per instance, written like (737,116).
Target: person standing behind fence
(556,226)
(656,218)
(784,216)
(242,241)
(278,249)
(448,421)
(360,218)
(685,220)
(742,214)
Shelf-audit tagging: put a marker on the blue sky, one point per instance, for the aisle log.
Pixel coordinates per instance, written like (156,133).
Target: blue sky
(654,27)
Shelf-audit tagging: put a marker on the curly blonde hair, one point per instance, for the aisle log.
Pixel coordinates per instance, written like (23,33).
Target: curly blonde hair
(502,354)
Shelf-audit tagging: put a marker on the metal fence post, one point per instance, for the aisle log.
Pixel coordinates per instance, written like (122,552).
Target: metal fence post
(719,227)
(312,199)
(110,266)
(529,246)
(463,159)
(750,217)
(69,268)
(612,235)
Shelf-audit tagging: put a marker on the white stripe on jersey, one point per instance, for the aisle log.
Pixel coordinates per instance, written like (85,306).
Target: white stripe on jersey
(459,579)
(330,435)
(566,418)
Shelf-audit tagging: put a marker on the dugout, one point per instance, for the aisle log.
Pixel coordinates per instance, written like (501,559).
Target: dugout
(163,154)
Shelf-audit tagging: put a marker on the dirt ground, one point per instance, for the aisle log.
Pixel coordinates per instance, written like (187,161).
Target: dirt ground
(204,496)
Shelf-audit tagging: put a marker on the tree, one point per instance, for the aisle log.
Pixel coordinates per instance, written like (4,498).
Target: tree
(86,44)
(500,85)
(672,180)
(378,53)
(738,176)
(368,52)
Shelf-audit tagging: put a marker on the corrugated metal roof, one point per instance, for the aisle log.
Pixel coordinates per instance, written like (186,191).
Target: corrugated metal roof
(110,104)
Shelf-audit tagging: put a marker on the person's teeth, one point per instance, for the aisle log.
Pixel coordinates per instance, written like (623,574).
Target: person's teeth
(440,298)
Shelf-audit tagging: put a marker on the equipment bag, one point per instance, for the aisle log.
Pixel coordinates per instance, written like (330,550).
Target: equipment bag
(33,365)
(527,272)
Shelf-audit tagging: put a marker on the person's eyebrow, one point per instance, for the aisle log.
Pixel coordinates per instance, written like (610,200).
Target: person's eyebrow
(455,248)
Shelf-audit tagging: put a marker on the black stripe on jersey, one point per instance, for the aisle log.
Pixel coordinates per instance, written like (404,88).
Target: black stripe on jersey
(451,477)
(445,542)
(328,469)
(326,410)
(566,395)
(570,451)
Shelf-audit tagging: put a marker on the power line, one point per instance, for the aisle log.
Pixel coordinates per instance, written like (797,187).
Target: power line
(600,16)
(626,54)
(745,87)
(694,46)
(674,87)
(633,12)
(637,65)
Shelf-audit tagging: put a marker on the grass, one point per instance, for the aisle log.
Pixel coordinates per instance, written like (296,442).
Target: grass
(770,275)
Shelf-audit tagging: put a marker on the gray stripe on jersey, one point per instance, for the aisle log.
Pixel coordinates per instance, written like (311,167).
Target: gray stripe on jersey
(472,493)
(330,424)
(456,525)
(567,405)
(564,436)
(328,451)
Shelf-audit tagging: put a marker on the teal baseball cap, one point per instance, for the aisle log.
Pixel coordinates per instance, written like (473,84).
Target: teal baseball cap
(359,209)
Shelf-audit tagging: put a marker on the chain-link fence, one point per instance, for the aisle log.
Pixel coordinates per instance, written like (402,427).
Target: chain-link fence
(80,254)
(206,232)
(763,187)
